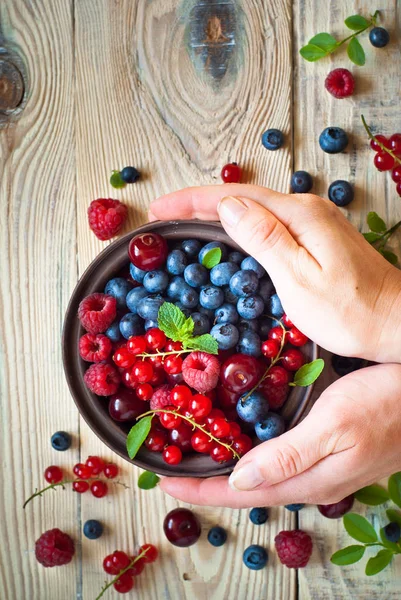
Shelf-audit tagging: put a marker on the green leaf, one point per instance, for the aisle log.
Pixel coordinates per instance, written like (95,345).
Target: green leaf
(137,435)
(394,488)
(372,495)
(171,320)
(212,258)
(348,555)
(148,480)
(359,528)
(308,373)
(116,181)
(390,256)
(356,53)
(325,41)
(356,22)
(187,329)
(311,52)
(394,516)
(203,343)
(379,562)
(371,236)
(375,222)
(390,545)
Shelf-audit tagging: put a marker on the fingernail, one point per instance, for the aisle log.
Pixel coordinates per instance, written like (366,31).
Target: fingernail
(246,478)
(231,210)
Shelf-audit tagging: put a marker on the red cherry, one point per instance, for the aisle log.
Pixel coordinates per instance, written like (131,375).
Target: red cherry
(396,173)
(270,348)
(172,455)
(142,371)
(220,428)
(169,420)
(201,442)
(383,161)
(200,406)
(395,143)
(108,565)
(124,405)
(226,398)
(144,391)
(99,489)
(53,474)
(120,560)
(148,251)
(278,376)
(95,463)
(231,173)
(173,346)
(180,396)
(292,359)
(287,322)
(338,509)
(82,471)
(296,337)
(240,372)
(80,486)
(151,553)
(136,344)
(276,334)
(235,430)
(173,364)
(124,583)
(215,413)
(155,338)
(156,440)
(137,567)
(111,470)
(181,437)
(242,444)
(381,138)
(220,453)
(123,358)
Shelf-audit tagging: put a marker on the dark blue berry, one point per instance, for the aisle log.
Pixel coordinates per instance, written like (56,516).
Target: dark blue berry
(255,557)
(210,246)
(176,286)
(93,529)
(274,307)
(252,407)
(250,307)
(131,324)
(250,264)
(272,139)
(392,531)
(118,288)
(229,296)
(136,273)
(191,247)
(226,313)
(148,307)
(176,262)
(183,309)
(150,324)
(226,335)
(130,174)
(244,283)
(270,427)
(264,327)
(201,323)
(221,274)
(61,440)
(259,516)
(113,332)
(134,297)
(294,507)
(301,182)
(196,275)
(333,140)
(211,297)
(217,536)
(248,325)
(345,364)
(379,37)
(209,312)
(155,282)
(249,343)
(236,257)
(341,192)
(266,288)
(189,298)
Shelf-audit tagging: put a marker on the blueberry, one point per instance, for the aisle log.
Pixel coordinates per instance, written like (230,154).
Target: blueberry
(176,262)
(244,283)
(221,274)
(148,307)
(252,407)
(130,174)
(61,440)
(379,37)
(250,264)
(294,507)
(211,297)
(113,332)
(255,557)
(226,335)
(248,325)
(136,273)
(344,364)
(341,192)
(189,298)
(134,297)
(274,307)
(249,343)
(183,309)
(217,536)
(176,286)
(131,324)
(250,307)
(93,529)
(272,139)
(301,182)
(270,427)
(333,140)
(226,313)
(118,288)
(266,288)
(210,246)
(150,324)
(259,516)
(229,296)
(236,257)
(196,275)
(264,327)
(392,531)
(191,247)
(201,323)
(155,282)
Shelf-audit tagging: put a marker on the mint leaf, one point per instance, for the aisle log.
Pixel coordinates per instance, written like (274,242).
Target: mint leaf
(148,480)
(137,435)
(359,528)
(348,555)
(375,222)
(356,53)
(171,320)
(390,545)
(203,343)
(379,562)
(394,488)
(187,329)
(371,236)
(212,258)
(325,41)
(394,516)
(116,181)
(308,373)
(356,22)
(389,256)
(312,53)
(372,495)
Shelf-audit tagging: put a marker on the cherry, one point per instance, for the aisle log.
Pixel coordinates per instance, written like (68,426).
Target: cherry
(137,567)
(142,371)
(242,444)
(174,378)
(120,560)
(396,173)
(125,405)
(231,173)
(215,413)
(80,486)
(276,334)
(180,396)
(123,358)
(226,398)
(172,455)
(82,471)
(173,364)
(338,509)
(148,251)
(286,321)
(155,338)
(200,406)
(383,161)
(220,428)
(296,337)
(124,583)
(201,442)
(270,348)
(235,431)
(240,372)
(128,379)
(395,143)
(144,391)
(181,437)
(108,565)
(136,344)
(181,527)
(168,420)
(292,359)
(53,474)
(173,346)
(110,470)
(156,440)
(375,146)
(151,553)
(220,453)
(99,489)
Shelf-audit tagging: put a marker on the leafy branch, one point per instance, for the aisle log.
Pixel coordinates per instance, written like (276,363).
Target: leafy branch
(179,328)
(379,235)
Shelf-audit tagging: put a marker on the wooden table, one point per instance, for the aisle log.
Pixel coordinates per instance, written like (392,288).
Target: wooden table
(177,89)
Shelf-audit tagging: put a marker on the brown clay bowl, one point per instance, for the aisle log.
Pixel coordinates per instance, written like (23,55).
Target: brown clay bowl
(95,409)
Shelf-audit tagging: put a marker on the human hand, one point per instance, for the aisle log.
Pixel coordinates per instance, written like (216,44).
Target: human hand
(334,286)
(350,439)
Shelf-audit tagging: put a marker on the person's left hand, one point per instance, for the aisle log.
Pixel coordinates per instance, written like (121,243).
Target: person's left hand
(350,439)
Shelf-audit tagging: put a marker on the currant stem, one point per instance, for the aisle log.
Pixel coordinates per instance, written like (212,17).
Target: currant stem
(147,354)
(378,142)
(52,486)
(117,577)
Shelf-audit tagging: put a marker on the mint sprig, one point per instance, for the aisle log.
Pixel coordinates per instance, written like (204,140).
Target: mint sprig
(379,235)
(179,328)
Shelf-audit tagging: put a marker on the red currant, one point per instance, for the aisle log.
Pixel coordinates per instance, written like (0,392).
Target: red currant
(381,138)
(396,173)
(231,173)
(278,376)
(95,463)
(395,143)
(142,371)
(220,428)
(151,552)
(82,471)
(276,334)
(172,455)
(220,453)
(124,583)
(181,437)
(200,406)
(155,338)
(173,364)
(287,322)
(235,431)
(292,359)
(200,442)
(148,251)
(173,346)
(169,420)
(128,379)
(136,344)
(80,486)
(99,489)
(383,161)
(53,474)
(120,560)
(156,361)
(111,470)
(215,413)
(296,337)
(123,358)
(242,444)
(270,348)
(180,396)
(144,391)
(156,440)
(108,565)
(137,567)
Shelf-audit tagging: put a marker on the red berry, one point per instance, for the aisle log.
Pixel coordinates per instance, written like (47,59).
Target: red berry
(124,583)
(142,371)
(381,138)
(211,394)
(182,527)
(110,470)
(120,560)
(123,358)
(270,348)
(201,371)
(172,455)
(242,444)
(383,161)
(108,565)
(278,376)
(53,474)
(102,379)
(173,364)
(106,217)
(82,471)
(235,430)
(287,322)
(292,359)
(181,437)
(296,337)
(137,567)
(157,361)
(173,346)
(155,338)
(220,453)
(214,414)
(136,344)
(127,378)
(180,396)
(94,348)
(240,372)
(338,509)
(396,173)
(148,251)
(158,378)
(99,489)
(340,83)
(80,486)
(95,463)
(220,428)
(160,398)
(200,406)
(201,442)
(395,143)
(169,420)
(144,391)
(54,548)
(151,552)
(156,440)
(97,312)
(276,395)
(276,334)
(125,405)
(226,398)
(294,548)
(231,173)
(398,188)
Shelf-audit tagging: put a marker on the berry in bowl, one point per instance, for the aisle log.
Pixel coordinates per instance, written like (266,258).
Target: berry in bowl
(178,352)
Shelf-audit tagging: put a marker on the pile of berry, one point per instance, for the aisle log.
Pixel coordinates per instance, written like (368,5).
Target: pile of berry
(384,161)
(125,568)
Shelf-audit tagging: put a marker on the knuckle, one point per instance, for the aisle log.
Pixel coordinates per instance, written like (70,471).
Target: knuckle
(265,234)
(287,462)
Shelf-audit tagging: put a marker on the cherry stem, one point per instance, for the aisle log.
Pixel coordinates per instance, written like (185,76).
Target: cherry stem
(378,142)
(117,577)
(193,423)
(52,486)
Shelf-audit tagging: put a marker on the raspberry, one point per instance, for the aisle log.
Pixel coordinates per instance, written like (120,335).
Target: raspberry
(94,348)
(201,371)
(54,548)
(276,395)
(102,379)
(97,312)
(294,548)
(106,217)
(340,83)
(160,398)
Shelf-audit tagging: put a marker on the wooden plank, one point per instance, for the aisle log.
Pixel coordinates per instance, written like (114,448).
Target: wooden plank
(378,98)
(150,92)
(38,272)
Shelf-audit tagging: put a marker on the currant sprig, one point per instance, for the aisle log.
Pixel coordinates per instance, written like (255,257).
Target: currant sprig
(117,577)
(62,484)
(378,142)
(144,355)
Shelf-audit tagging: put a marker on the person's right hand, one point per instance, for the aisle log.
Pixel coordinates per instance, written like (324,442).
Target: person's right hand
(334,286)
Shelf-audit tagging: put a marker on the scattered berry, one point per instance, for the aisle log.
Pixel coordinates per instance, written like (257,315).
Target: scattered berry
(106,217)
(272,139)
(137,567)
(94,348)
(255,557)
(383,161)
(182,527)
(102,379)
(201,371)
(82,471)
(340,83)
(217,536)
(124,583)
(294,507)
(392,531)
(97,312)
(151,553)
(333,140)
(120,560)
(301,182)
(173,364)
(181,437)
(341,192)
(130,174)
(110,471)
(53,474)
(93,529)
(338,509)
(231,173)
(54,548)
(61,441)
(294,548)
(99,489)
(80,486)
(258,516)
(379,37)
